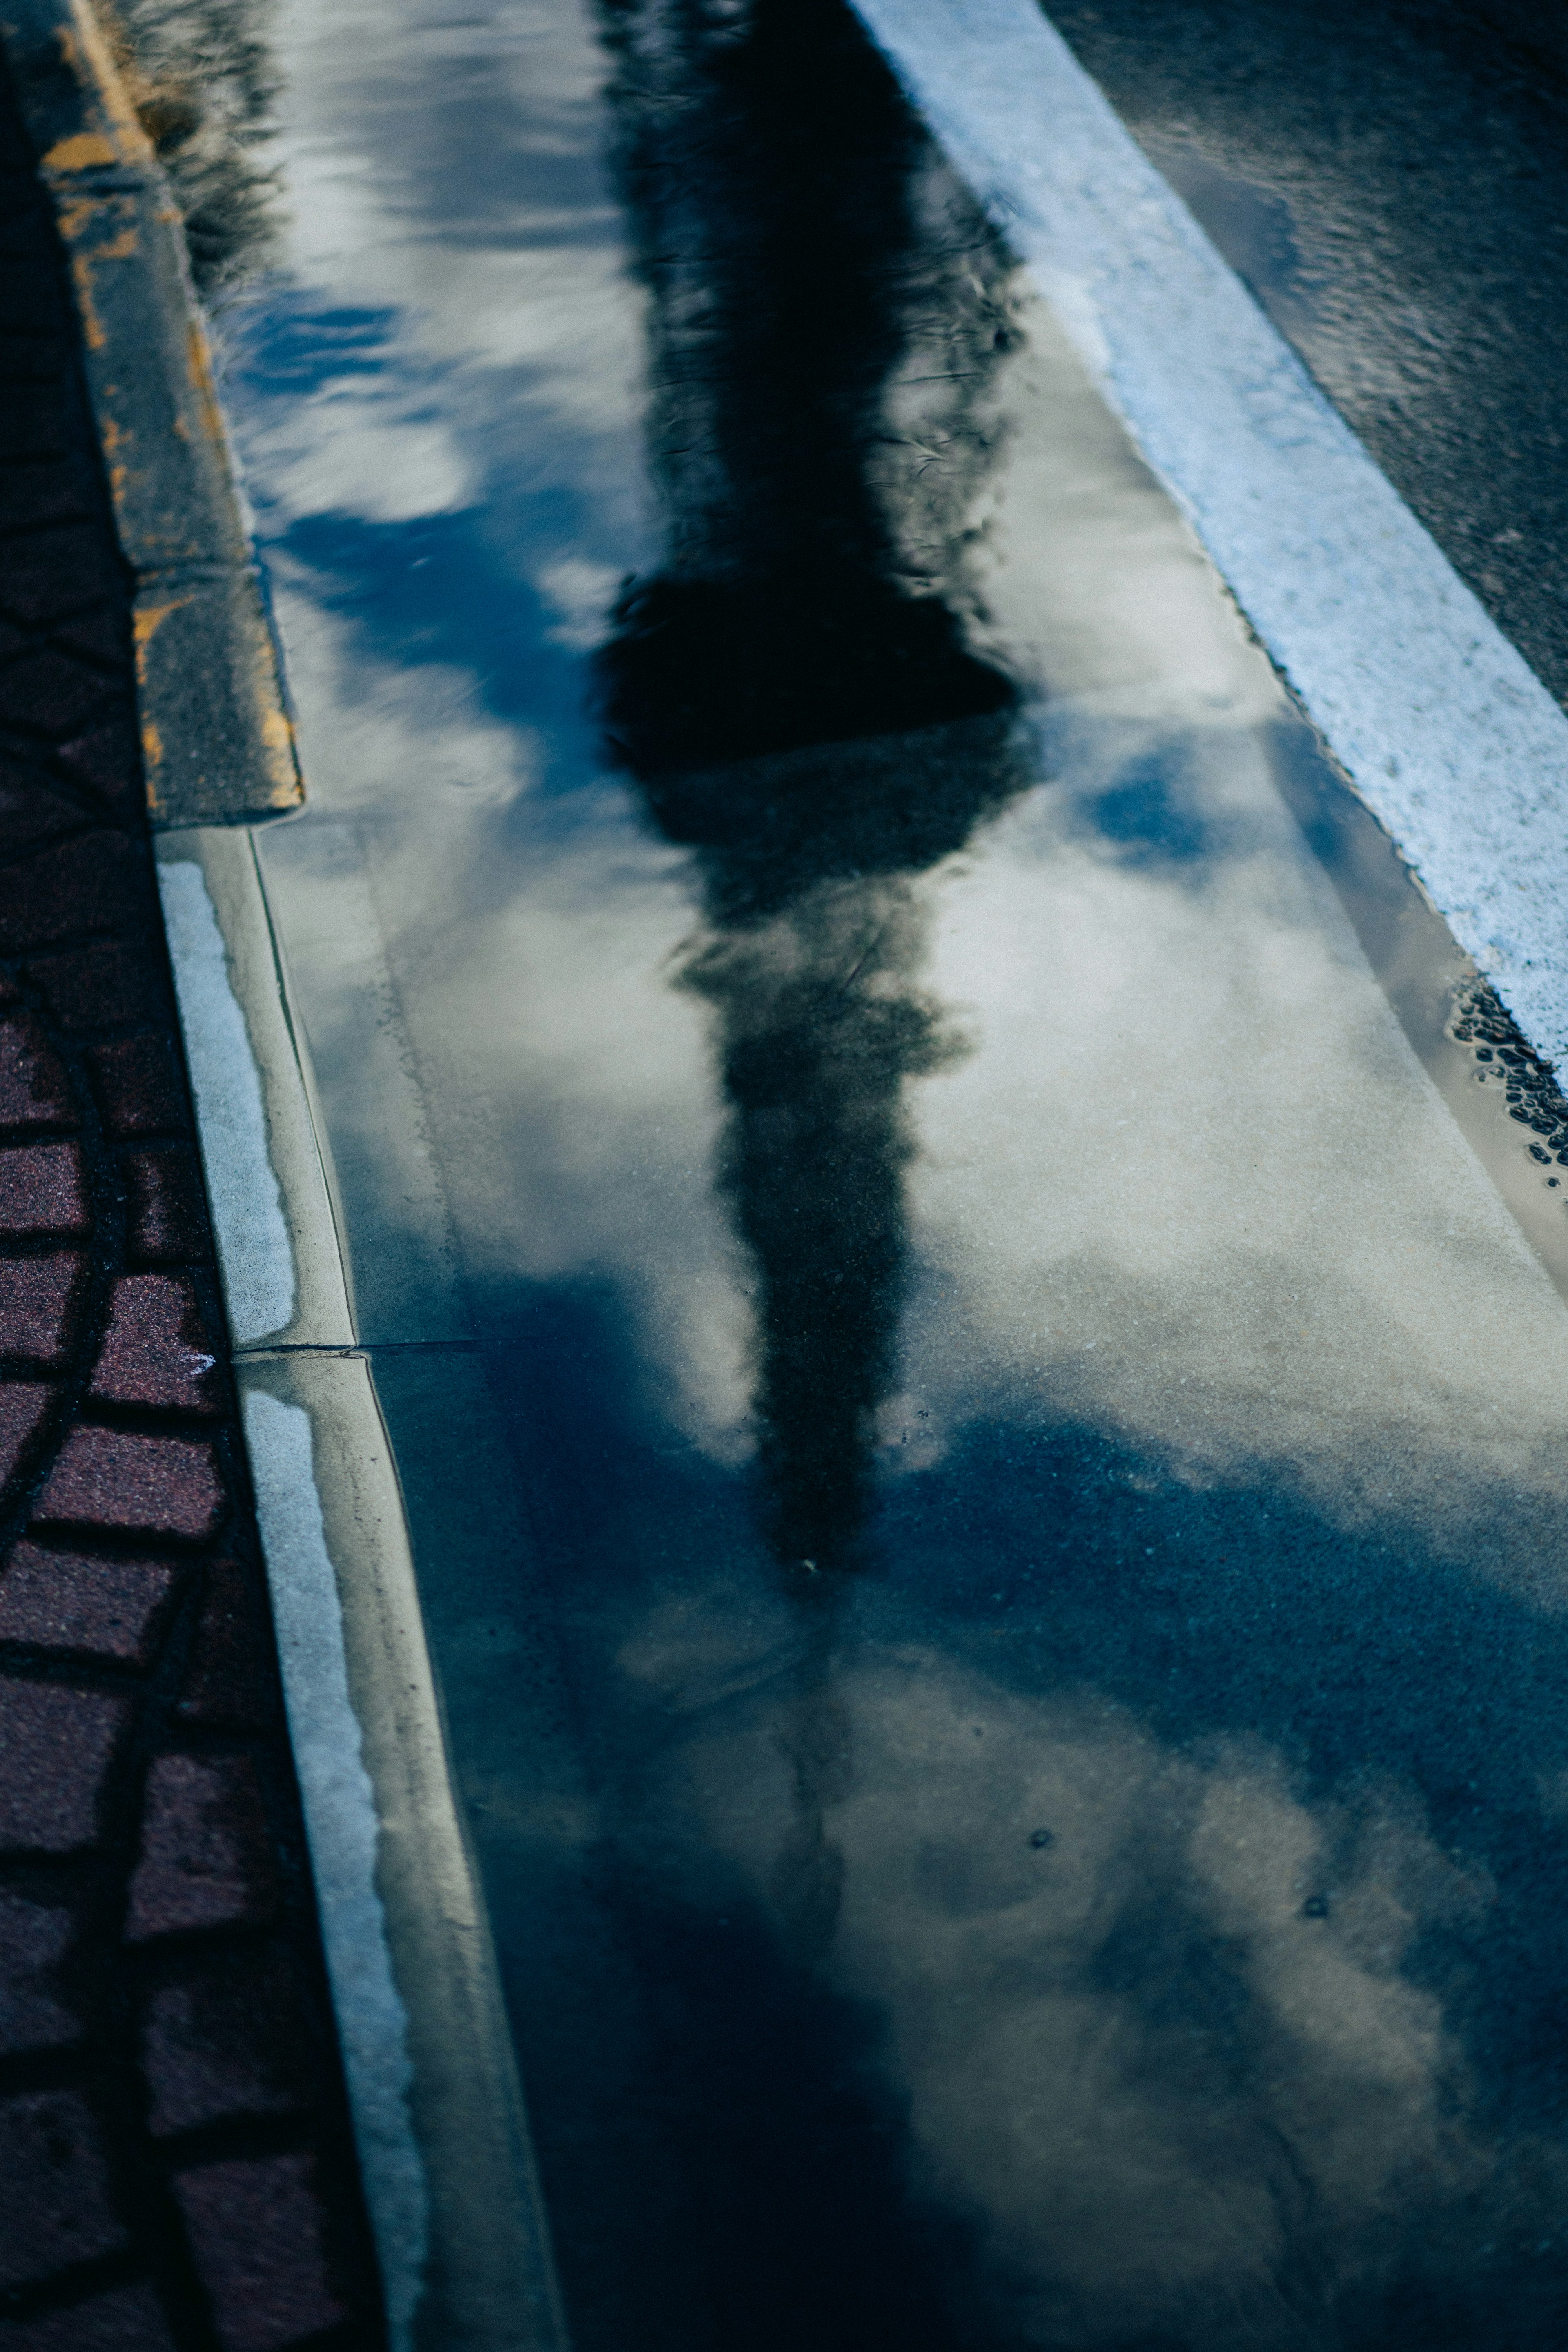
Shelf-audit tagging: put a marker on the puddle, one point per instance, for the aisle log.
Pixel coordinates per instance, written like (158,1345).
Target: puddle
(984,1453)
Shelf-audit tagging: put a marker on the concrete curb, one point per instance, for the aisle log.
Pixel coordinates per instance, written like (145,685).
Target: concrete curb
(443,2138)
(443,2142)
(217,739)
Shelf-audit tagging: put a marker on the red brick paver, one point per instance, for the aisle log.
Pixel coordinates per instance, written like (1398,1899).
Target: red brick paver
(175,2167)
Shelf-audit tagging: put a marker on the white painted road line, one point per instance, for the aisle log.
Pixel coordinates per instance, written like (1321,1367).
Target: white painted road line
(1445,731)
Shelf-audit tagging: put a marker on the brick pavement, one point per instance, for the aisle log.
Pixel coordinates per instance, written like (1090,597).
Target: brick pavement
(175,2167)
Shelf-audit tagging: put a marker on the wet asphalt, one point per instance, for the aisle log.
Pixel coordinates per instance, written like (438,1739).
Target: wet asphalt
(1392,180)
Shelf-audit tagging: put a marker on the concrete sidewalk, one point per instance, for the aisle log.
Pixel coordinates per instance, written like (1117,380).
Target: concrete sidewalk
(175,2162)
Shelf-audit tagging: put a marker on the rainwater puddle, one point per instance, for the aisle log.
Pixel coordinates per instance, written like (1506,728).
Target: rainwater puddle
(984,1456)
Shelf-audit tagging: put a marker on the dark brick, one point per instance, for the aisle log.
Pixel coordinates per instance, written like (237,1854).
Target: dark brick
(31,810)
(47,574)
(137,1086)
(40,1303)
(31,425)
(101,637)
(51,694)
(129,2320)
(34,1939)
(206,1857)
(18,196)
(256,2232)
(79,1607)
(107,761)
(225,2040)
(23,1407)
(32,358)
(167,1212)
(93,882)
(53,2188)
(137,1486)
(157,1351)
(108,984)
(50,490)
(34,1089)
(21,233)
(229,1683)
(24,260)
(56,1744)
(41,1190)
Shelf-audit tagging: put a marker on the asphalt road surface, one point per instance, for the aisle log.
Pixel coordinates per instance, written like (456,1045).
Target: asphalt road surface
(1392,182)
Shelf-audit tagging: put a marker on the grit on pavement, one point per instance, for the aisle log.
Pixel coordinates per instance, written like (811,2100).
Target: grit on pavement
(175,2163)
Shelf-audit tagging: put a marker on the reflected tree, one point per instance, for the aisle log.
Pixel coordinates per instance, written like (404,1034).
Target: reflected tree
(798,691)
(202,76)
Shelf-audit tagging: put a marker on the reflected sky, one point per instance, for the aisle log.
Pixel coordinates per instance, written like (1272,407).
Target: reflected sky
(985,1459)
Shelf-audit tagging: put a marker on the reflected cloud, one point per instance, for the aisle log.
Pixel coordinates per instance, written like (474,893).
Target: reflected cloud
(1188,2043)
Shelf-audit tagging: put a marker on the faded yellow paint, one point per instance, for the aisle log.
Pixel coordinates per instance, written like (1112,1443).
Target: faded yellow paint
(93,62)
(74,219)
(111,436)
(152,617)
(92,328)
(198,362)
(110,89)
(121,247)
(81,152)
(148,620)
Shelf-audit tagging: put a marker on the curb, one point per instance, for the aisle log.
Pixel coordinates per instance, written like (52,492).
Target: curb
(445,2154)
(443,2146)
(217,742)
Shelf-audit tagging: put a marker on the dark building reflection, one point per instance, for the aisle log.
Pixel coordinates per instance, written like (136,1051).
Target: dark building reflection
(796,691)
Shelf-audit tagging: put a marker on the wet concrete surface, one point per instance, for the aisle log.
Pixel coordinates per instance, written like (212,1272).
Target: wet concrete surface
(985,1453)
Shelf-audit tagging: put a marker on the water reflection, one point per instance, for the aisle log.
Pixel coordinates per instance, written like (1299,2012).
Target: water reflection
(1160,1987)
(1194,1943)
(794,691)
(205,83)
(1133,1919)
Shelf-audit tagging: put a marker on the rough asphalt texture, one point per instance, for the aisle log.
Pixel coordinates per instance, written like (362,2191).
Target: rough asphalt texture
(1392,177)
(175,2167)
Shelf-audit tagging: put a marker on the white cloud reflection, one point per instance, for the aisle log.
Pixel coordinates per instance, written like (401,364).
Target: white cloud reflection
(1145,2008)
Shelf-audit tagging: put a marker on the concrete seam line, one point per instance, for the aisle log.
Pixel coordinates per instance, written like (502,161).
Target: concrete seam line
(1440,724)
(217,742)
